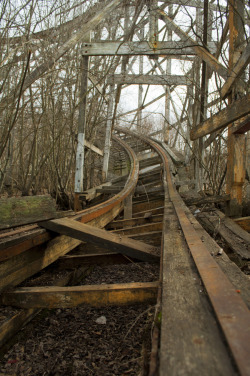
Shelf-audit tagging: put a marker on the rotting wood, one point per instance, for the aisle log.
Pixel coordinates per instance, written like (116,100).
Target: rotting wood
(236,72)
(136,79)
(217,225)
(12,325)
(206,200)
(95,296)
(243,222)
(101,237)
(231,113)
(16,211)
(139,48)
(140,229)
(135,221)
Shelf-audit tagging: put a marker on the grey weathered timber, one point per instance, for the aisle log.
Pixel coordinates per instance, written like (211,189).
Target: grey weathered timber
(174,48)
(236,71)
(103,238)
(145,79)
(235,111)
(16,211)
(92,147)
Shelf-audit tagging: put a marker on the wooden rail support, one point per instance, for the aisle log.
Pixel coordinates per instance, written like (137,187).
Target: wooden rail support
(103,238)
(95,296)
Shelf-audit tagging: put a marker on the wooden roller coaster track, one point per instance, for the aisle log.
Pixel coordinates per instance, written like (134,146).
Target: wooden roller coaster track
(204,320)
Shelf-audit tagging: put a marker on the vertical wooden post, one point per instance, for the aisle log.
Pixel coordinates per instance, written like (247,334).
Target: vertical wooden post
(196,111)
(166,128)
(79,174)
(128,211)
(140,88)
(107,144)
(153,22)
(236,163)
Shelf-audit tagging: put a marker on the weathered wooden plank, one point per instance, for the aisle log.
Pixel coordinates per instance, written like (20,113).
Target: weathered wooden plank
(12,325)
(235,240)
(147,206)
(135,221)
(231,113)
(95,296)
(16,211)
(92,147)
(191,342)
(16,269)
(244,223)
(206,200)
(236,72)
(146,79)
(141,229)
(103,238)
(169,48)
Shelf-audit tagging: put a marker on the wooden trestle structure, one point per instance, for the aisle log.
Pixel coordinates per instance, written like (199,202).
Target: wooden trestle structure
(202,299)
(204,320)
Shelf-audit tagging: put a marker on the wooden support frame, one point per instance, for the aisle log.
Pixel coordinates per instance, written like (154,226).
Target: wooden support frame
(164,48)
(95,296)
(231,113)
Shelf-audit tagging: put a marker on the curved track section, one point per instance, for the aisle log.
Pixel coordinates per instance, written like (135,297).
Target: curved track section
(197,307)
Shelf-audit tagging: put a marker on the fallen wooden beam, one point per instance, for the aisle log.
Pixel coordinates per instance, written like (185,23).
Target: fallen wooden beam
(16,211)
(103,238)
(228,115)
(243,127)
(95,296)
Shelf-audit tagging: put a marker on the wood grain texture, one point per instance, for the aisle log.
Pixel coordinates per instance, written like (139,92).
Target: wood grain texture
(95,296)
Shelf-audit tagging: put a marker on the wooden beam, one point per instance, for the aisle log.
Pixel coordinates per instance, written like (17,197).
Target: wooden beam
(75,38)
(244,223)
(140,48)
(16,211)
(242,127)
(146,79)
(205,55)
(140,229)
(92,147)
(231,113)
(103,238)
(236,71)
(136,221)
(95,296)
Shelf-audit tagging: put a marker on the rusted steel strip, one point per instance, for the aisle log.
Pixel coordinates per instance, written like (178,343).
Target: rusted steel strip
(230,309)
